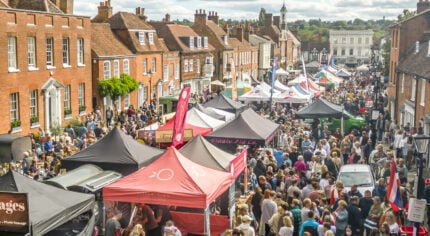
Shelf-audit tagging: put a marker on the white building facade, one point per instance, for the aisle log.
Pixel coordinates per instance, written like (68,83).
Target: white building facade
(351,47)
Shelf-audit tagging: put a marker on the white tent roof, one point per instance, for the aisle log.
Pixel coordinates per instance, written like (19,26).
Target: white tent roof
(257,94)
(280,86)
(228,116)
(292,96)
(264,86)
(198,118)
(363,68)
(297,80)
(281,72)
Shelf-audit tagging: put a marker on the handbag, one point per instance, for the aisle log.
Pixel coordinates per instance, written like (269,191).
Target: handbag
(370,224)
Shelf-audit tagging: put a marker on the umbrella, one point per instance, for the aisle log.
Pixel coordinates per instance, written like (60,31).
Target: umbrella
(218,83)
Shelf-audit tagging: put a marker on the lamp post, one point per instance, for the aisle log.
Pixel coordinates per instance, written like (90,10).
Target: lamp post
(421,143)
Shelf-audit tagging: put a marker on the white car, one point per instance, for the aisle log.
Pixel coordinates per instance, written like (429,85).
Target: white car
(357,174)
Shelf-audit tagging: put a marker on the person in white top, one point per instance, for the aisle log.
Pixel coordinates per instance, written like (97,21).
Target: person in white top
(391,221)
(287,229)
(246,227)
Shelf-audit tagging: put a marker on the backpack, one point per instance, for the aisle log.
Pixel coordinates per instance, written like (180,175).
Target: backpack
(311,229)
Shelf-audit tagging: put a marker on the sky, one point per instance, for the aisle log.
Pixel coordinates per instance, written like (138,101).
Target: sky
(327,10)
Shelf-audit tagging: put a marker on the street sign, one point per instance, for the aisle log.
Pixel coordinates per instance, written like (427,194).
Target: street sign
(416,211)
(14,216)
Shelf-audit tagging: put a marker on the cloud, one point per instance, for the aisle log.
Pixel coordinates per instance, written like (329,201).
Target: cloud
(248,9)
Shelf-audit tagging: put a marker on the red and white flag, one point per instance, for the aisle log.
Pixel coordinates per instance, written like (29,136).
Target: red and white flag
(180,117)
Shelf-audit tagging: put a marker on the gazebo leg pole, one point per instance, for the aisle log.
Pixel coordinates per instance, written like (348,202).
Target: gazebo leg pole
(207,221)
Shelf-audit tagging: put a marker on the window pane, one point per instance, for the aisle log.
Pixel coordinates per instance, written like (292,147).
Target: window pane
(49,52)
(106,70)
(66,60)
(33,103)
(80,51)
(116,69)
(126,68)
(31,51)
(67,98)
(11,52)
(14,106)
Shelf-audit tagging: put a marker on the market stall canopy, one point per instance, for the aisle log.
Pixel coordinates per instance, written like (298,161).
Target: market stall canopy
(299,79)
(257,94)
(224,103)
(363,68)
(218,83)
(202,152)
(321,108)
(12,147)
(292,96)
(216,113)
(280,86)
(200,119)
(343,73)
(49,207)
(89,178)
(117,152)
(196,130)
(281,72)
(171,180)
(248,129)
(267,88)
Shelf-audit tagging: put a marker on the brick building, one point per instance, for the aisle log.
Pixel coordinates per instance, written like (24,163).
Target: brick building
(195,52)
(405,84)
(208,26)
(245,54)
(139,37)
(288,47)
(45,66)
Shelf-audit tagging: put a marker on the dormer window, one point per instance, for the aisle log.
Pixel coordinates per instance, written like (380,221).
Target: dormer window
(151,38)
(225,39)
(191,42)
(205,42)
(141,37)
(199,42)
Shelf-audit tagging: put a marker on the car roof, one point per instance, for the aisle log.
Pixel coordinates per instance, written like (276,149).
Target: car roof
(355,168)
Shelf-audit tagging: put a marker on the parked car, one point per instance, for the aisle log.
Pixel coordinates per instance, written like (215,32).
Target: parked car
(357,174)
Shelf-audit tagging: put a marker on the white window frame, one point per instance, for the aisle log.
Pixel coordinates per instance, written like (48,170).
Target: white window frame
(154,65)
(177,66)
(165,72)
(66,52)
(403,83)
(49,52)
(106,70)
(127,101)
(14,106)
(116,72)
(11,54)
(198,65)
(191,65)
(81,94)
(414,89)
(80,51)
(141,37)
(185,65)
(199,42)
(126,66)
(423,92)
(33,103)
(191,42)
(67,100)
(145,66)
(31,52)
(205,42)
(151,38)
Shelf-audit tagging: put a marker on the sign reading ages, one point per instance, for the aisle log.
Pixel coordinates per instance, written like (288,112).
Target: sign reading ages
(416,211)
(14,212)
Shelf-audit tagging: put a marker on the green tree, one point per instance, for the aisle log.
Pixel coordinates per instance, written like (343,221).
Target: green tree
(261,17)
(117,87)
(406,15)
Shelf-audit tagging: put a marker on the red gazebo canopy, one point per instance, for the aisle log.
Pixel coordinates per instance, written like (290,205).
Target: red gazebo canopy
(171,180)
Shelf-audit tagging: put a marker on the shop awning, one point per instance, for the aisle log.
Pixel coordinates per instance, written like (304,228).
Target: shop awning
(321,108)
(172,180)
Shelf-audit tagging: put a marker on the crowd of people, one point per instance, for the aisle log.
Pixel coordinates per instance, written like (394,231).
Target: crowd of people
(294,187)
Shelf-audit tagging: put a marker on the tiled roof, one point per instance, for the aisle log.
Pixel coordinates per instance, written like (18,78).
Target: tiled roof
(105,43)
(173,35)
(3,4)
(215,28)
(126,20)
(163,45)
(291,35)
(417,63)
(241,45)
